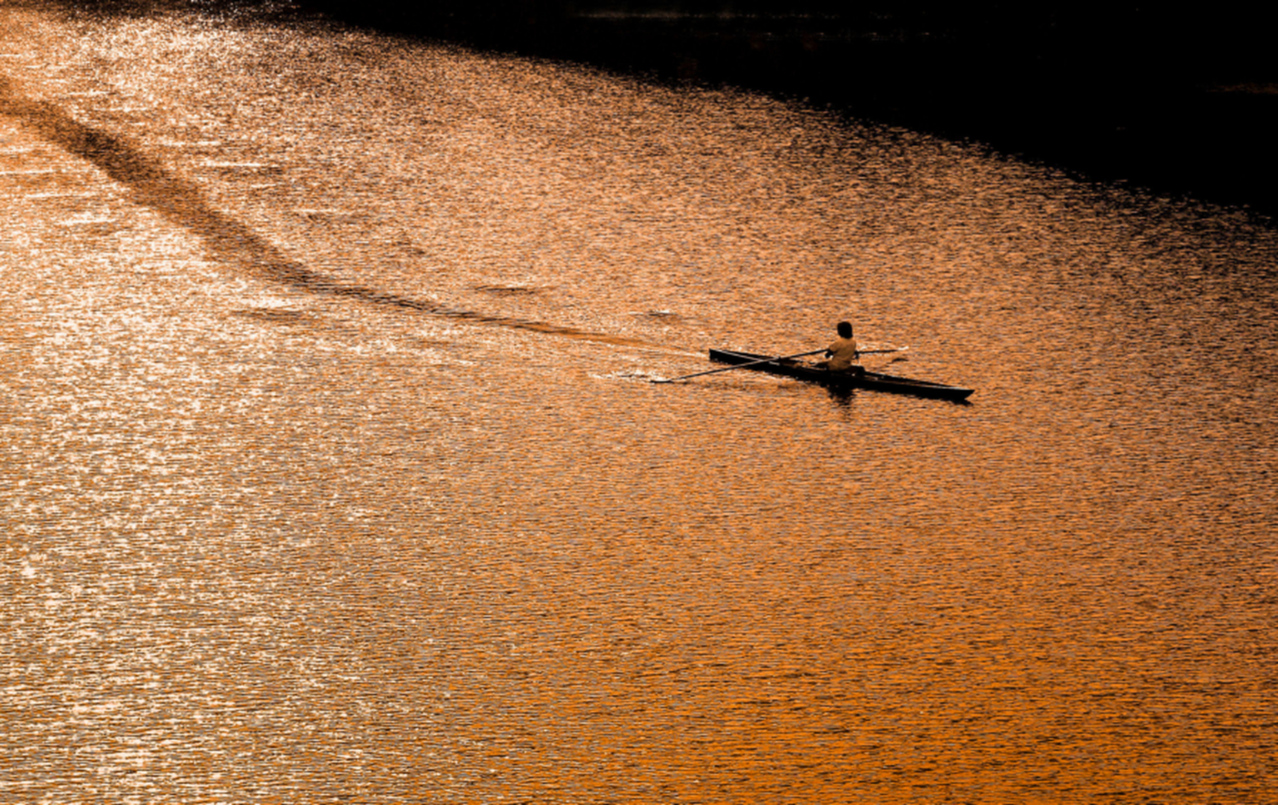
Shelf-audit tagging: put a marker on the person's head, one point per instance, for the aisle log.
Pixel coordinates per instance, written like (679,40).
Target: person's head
(845,329)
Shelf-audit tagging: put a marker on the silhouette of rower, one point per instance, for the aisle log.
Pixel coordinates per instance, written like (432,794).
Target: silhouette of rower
(843,354)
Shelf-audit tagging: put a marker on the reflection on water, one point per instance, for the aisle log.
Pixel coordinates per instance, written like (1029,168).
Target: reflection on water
(306,494)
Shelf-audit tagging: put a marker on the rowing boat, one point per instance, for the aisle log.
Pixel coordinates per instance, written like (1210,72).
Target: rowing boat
(840,380)
(872,381)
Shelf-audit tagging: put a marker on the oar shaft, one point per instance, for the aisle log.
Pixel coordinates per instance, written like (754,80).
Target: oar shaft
(773,360)
(742,365)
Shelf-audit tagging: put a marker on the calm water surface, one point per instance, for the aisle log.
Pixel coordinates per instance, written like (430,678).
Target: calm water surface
(330,468)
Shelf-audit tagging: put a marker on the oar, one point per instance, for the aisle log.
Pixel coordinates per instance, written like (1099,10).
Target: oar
(771,360)
(742,365)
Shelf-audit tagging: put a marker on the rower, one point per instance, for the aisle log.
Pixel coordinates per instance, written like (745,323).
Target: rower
(843,354)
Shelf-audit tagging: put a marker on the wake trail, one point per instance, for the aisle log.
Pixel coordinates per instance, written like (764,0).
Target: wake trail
(230,241)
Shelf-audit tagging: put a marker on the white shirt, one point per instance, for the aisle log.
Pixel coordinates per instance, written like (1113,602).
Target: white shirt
(843,354)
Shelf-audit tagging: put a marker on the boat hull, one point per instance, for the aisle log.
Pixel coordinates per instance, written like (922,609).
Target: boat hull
(871,381)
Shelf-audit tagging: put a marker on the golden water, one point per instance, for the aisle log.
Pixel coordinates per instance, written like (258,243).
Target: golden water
(330,468)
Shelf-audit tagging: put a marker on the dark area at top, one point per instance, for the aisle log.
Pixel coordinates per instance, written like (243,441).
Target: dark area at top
(1181,101)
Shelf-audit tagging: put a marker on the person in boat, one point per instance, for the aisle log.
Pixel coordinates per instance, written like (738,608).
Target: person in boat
(843,354)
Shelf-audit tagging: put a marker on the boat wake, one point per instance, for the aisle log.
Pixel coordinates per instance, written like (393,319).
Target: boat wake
(181,202)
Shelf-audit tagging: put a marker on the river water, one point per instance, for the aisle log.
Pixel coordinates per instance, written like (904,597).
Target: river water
(331,469)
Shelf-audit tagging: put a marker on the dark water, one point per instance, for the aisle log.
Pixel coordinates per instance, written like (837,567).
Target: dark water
(332,469)
(1182,99)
